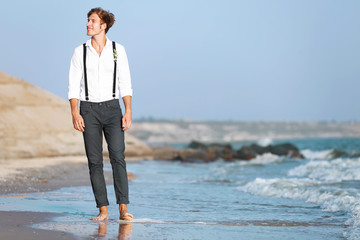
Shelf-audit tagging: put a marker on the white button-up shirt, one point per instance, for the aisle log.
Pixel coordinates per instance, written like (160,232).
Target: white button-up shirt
(100,73)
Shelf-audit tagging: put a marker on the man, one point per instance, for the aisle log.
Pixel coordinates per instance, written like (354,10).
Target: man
(99,75)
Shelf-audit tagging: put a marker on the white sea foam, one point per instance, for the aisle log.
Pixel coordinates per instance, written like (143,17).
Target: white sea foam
(264,142)
(336,170)
(263,159)
(144,220)
(221,169)
(354,222)
(310,190)
(311,155)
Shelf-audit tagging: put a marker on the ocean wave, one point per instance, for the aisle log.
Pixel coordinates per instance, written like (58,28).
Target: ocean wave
(221,168)
(263,159)
(336,170)
(264,142)
(329,154)
(344,154)
(331,199)
(312,155)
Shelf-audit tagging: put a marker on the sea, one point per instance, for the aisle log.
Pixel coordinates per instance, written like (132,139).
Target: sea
(269,197)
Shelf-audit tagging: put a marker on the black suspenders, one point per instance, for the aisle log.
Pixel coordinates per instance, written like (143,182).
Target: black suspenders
(115,60)
(85,76)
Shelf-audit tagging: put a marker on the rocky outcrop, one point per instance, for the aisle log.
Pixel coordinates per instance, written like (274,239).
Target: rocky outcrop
(36,123)
(343,154)
(285,149)
(213,151)
(244,153)
(165,153)
(200,152)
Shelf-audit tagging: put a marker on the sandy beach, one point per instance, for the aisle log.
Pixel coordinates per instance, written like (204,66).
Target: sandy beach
(42,174)
(266,198)
(21,176)
(36,175)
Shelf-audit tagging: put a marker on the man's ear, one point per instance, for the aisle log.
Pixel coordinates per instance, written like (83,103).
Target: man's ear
(103,26)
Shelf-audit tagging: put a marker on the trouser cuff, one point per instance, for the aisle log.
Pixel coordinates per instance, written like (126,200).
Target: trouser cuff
(102,205)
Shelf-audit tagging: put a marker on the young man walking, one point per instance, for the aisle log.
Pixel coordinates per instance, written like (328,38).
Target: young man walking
(99,75)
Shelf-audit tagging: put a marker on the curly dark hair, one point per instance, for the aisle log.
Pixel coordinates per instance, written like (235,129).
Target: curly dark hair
(105,16)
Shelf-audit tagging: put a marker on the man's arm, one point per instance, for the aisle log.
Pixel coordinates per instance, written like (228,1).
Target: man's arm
(126,120)
(77,119)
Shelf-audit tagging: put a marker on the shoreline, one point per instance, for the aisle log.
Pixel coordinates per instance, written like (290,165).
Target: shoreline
(257,215)
(21,176)
(47,174)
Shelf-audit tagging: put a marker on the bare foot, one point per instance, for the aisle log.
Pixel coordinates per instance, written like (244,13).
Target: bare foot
(124,215)
(103,215)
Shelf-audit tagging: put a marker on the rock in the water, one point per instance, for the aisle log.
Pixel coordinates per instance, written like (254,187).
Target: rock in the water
(222,151)
(245,153)
(214,150)
(285,149)
(258,150)
(194,155)
(197,145)
(342,154)
(165,153)
(198,151)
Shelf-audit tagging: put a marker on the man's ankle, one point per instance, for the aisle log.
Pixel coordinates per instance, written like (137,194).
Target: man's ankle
(103,209)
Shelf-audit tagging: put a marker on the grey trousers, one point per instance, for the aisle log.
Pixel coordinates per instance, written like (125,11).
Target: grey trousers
(98,118)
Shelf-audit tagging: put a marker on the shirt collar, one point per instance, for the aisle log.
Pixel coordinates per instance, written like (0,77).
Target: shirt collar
(108,42)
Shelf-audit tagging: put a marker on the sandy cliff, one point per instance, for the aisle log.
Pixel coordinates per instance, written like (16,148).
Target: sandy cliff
(36,123)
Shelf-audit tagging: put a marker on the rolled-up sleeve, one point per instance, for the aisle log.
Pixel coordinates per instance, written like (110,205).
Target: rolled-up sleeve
(75,75)
(123,72)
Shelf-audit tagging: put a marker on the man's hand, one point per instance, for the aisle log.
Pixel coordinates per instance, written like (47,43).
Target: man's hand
(77,119)
(78,122)
(126,121)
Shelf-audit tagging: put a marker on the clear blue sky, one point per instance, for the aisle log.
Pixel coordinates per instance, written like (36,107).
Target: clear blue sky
(203,59)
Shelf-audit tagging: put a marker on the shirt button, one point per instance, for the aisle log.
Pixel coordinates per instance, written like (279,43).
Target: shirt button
(100,104)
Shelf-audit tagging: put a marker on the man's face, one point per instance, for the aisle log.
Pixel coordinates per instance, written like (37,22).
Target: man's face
(94,25)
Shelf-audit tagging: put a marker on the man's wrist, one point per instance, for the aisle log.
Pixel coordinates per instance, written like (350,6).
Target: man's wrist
(75,113)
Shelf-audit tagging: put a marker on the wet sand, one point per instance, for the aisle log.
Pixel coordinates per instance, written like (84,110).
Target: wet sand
(46,174)
(16,225)
(39,175)
(31,178)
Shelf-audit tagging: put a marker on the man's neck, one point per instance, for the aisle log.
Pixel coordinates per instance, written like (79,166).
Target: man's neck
(98,42)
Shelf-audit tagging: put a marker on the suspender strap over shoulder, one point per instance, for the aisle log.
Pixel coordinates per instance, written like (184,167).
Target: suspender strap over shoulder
(115,61)
(85,76)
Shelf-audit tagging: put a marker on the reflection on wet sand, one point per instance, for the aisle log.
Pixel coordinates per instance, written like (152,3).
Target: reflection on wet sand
(102,229)
(125,230)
